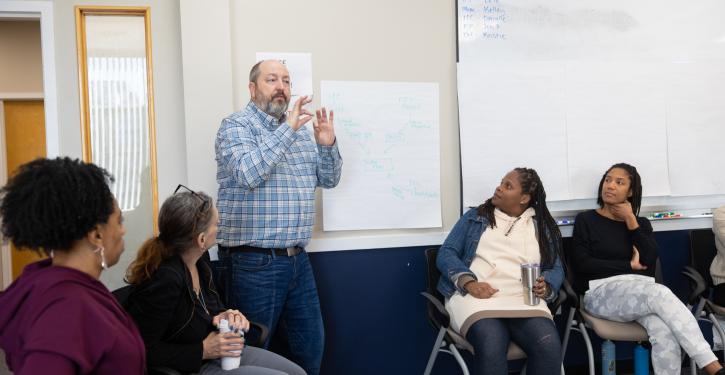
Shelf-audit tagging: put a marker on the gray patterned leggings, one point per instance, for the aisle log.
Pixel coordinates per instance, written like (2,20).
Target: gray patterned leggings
(668,322)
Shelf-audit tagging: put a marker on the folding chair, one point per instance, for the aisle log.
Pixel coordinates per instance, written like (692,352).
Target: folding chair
(448,340)
(702,252)
(579,320)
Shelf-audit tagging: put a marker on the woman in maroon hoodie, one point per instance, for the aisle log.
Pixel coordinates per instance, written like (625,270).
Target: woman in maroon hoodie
(57,317)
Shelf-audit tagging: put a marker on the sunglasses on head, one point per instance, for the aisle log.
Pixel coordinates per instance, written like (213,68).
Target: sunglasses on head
(204,202)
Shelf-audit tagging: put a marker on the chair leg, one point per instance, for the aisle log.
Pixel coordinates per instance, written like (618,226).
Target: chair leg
(434,353)
(459,359)
(588,342)
(716,324)
(700,307)
(567,332)
(562,368)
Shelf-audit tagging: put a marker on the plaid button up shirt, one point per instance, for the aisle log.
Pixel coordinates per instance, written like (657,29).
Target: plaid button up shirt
(267,175)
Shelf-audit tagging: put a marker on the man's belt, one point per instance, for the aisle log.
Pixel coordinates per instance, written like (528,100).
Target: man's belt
(283,251)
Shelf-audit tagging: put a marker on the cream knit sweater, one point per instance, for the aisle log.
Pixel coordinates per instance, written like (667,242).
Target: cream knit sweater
(498,262)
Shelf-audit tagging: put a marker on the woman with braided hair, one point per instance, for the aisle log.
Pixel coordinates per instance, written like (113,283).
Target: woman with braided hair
(481,278)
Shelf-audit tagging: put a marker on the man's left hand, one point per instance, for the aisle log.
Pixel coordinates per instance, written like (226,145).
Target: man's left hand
(324,128)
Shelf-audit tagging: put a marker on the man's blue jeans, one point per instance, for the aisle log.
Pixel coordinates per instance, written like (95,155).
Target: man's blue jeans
(279,292)
(538,338)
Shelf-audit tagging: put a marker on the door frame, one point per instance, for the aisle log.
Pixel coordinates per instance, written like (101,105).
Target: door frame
(6,268)
(43,11)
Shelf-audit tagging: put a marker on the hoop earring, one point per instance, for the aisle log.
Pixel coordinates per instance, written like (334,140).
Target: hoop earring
(104,265)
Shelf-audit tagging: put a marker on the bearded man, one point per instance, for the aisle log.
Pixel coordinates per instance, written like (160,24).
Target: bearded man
(268,168)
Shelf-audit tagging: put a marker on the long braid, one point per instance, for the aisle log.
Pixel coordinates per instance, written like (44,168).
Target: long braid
(486,210)
(546,225)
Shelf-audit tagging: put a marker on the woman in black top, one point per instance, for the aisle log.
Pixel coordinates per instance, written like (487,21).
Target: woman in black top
(613,260)
(175,303)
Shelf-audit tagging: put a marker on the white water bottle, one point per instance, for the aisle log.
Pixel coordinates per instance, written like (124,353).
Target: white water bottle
(228,363)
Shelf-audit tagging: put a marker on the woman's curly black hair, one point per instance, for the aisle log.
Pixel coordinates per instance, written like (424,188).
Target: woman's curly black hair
(51,203)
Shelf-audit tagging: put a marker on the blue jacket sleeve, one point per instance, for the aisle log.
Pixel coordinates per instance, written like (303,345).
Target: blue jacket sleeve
(450,256)
(554,277)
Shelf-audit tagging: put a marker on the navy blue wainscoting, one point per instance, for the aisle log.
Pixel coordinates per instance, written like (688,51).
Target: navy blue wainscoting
(374,315)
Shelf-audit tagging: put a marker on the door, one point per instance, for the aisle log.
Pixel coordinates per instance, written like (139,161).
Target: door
(24,141)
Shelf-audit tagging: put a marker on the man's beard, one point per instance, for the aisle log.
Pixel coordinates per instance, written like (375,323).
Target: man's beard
(273,107)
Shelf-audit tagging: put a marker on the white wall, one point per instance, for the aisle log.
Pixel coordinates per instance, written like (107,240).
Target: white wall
(377,40)
(206,52)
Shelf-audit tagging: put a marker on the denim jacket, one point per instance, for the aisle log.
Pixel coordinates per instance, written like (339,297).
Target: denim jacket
(457,253)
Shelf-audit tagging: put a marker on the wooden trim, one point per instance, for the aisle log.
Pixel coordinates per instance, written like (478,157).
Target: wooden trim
(3,147)
(21,95)
(145,12)
(113,10)
(21,16)
(83,84)
(6,269)
(152,123)
(107,10)
(6,262)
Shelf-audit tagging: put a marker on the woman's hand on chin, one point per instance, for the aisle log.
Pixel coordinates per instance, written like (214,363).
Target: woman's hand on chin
(621,211)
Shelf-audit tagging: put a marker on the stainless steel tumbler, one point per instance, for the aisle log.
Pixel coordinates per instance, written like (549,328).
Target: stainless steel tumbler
(529,273)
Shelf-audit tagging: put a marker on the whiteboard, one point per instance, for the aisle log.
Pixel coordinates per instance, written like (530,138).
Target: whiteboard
(388,134)
(572,87)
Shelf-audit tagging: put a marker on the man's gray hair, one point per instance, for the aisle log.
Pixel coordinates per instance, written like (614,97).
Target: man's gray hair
(254,73)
